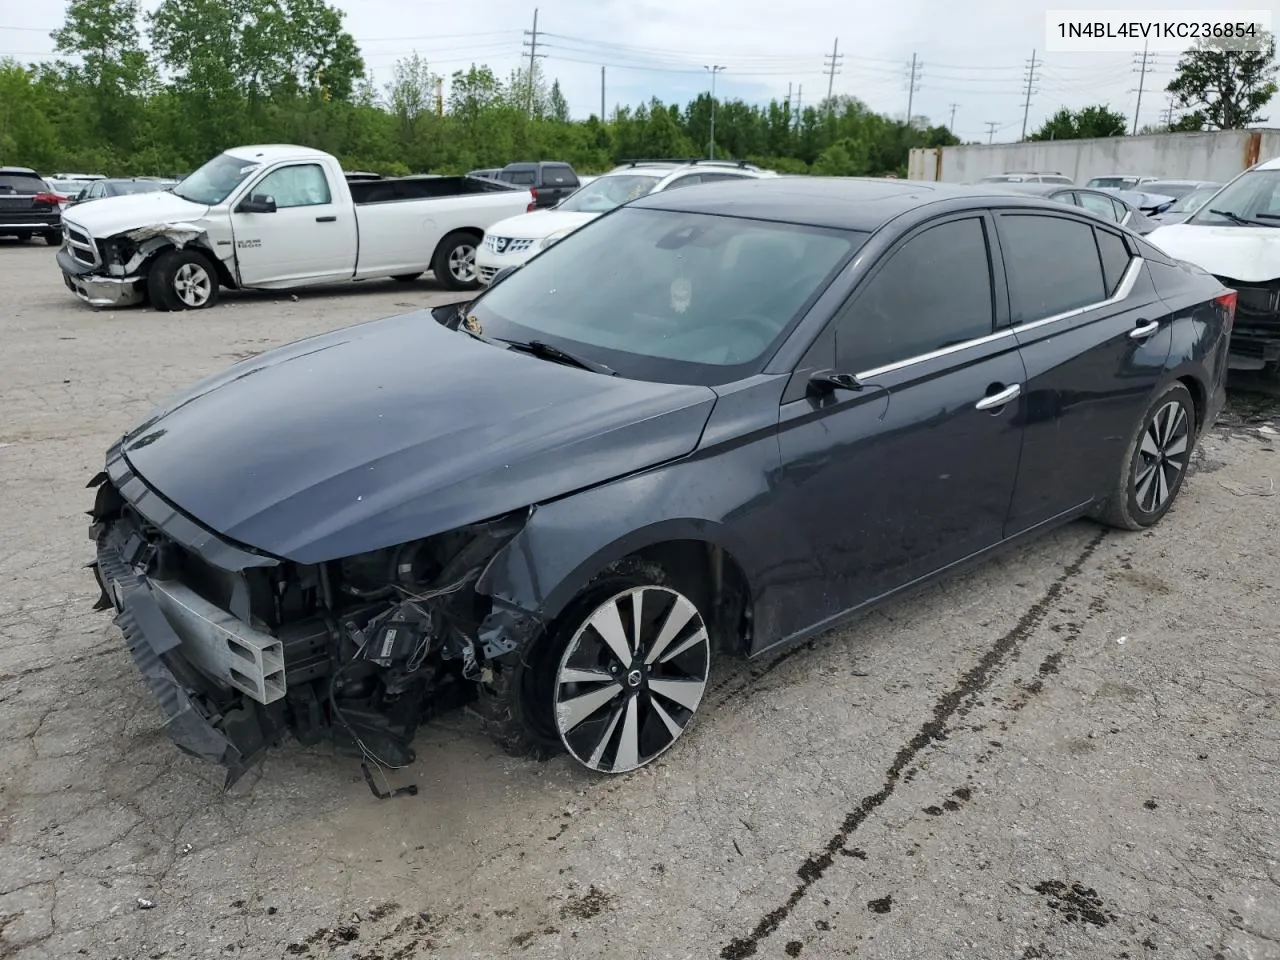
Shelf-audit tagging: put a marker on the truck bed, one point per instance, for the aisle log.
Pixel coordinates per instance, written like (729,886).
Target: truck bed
(393,189)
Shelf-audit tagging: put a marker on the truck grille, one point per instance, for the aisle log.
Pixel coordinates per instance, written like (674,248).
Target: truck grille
(80,245)
(506,244)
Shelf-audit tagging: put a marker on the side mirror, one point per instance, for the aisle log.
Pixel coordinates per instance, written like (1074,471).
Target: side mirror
(257,204)
(825,382)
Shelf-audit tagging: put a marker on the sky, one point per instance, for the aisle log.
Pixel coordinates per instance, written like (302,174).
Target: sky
(972,57)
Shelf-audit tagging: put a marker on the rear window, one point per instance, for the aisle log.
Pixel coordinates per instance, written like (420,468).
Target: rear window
(559,175)
(21,183)
(523,178)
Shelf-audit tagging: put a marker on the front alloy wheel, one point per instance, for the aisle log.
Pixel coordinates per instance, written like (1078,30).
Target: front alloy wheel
(631,678)
(193,285)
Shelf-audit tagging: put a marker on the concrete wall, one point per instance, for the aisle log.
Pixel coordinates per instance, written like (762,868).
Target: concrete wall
(1177,156)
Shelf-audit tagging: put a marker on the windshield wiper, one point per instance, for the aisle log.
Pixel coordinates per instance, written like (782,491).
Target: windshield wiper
(546,351)
(1246,221)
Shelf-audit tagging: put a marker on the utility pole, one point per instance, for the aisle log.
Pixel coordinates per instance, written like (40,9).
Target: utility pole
(1168,114)
(912,86)
(952,125)
(711,145)
(799,96)
(532,44)
(832,68)
(992,125)
(602,116)
(1032,66)
(439,96)
(1142,79)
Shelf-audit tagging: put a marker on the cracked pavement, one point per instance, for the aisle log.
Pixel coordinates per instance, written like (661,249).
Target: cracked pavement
(1069,751)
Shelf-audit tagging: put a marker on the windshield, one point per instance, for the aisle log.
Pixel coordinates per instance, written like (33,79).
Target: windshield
(1254,195)
(604,193)
(1193,201)
(213,182)
(667,296)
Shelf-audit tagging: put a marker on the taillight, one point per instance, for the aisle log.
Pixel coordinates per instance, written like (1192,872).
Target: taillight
(52,198)
(533,192)
(1227,302)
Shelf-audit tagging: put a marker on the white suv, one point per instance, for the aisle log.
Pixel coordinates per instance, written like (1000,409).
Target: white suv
(511,242)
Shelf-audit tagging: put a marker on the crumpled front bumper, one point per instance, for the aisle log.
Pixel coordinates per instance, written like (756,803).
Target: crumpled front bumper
(97,290)
(203,719)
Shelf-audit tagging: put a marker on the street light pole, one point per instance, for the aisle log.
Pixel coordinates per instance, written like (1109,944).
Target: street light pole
(711,146)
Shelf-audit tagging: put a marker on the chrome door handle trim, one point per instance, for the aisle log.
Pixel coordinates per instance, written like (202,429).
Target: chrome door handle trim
(1144,331)
(999,399)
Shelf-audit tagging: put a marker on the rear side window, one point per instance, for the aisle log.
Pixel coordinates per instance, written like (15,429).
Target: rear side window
(714,177)
(21,183)
(1052,264)
(523,178)
(688,181)
(1115,258)
(933,292)
(559,175)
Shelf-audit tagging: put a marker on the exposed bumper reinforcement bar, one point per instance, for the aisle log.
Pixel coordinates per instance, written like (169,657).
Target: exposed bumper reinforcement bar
(217,725)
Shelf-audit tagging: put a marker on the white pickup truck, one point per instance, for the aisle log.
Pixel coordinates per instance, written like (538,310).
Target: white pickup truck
(274,217)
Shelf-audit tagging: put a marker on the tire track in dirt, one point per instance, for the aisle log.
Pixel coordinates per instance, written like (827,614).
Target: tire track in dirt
(945,708)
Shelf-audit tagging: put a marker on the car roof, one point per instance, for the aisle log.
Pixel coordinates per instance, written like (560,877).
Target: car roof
(1272,164)
(847,203)
(1181,183)
(275,152)
(18,170)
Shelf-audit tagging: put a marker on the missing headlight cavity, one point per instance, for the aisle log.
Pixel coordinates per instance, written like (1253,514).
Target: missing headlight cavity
(372,645)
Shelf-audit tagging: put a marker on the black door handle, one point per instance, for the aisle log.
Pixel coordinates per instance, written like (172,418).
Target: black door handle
(326,219)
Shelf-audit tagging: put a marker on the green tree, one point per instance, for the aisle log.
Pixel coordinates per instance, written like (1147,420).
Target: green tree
(1224,89)
(557,105)
(1096,121)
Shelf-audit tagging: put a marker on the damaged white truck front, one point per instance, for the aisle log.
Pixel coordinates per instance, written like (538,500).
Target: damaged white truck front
(275,217)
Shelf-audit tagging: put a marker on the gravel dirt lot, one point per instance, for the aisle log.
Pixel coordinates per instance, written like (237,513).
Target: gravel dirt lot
(1069,752)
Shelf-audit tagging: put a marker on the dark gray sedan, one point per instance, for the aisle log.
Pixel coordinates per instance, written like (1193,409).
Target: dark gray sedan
(1101,203)
(713,422)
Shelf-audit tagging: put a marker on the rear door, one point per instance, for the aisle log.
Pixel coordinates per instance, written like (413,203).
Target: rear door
(1094,338)
(310,236)
(915,470)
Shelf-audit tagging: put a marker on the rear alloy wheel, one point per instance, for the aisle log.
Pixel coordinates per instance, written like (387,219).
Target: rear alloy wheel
(53,238)
(454,264)
(1157,461)
(631,678)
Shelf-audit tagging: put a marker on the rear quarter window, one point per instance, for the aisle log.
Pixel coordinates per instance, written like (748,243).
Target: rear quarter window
(560,175)
(1115,258)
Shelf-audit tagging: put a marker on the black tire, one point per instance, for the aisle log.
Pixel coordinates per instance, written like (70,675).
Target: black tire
(407,277)
(1168,427)
(182,280)
(518,709)
(22,237)
(459,246)
(53,238)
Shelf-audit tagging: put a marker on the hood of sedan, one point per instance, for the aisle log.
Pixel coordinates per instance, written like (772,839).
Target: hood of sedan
(1247,254)
(398,429)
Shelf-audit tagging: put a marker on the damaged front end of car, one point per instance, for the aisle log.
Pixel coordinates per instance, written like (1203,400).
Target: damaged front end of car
(1255,336)
(241,648)
(110,271)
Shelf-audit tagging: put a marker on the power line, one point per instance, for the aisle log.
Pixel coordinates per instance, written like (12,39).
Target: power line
(1031,79)
(832,68)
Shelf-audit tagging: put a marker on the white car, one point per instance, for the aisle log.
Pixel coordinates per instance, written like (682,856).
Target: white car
(1236,237)
(511,242)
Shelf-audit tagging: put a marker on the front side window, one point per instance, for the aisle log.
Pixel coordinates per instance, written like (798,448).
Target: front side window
(216,180)
(668,296)
(934,291)
(687,181)
(1052,265)
(303,185)
(604,193)
(1252,199)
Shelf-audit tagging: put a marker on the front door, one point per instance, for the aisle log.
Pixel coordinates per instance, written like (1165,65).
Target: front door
(1088,320)
(914,471)
(309,237)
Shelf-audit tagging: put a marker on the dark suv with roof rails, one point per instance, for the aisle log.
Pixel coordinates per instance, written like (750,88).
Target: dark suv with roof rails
(28,206)
(549,181)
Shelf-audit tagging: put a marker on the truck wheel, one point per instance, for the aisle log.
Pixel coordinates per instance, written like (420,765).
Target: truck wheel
(455,261)
(182,280)
(22,237)
(407,277)
(53,238)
